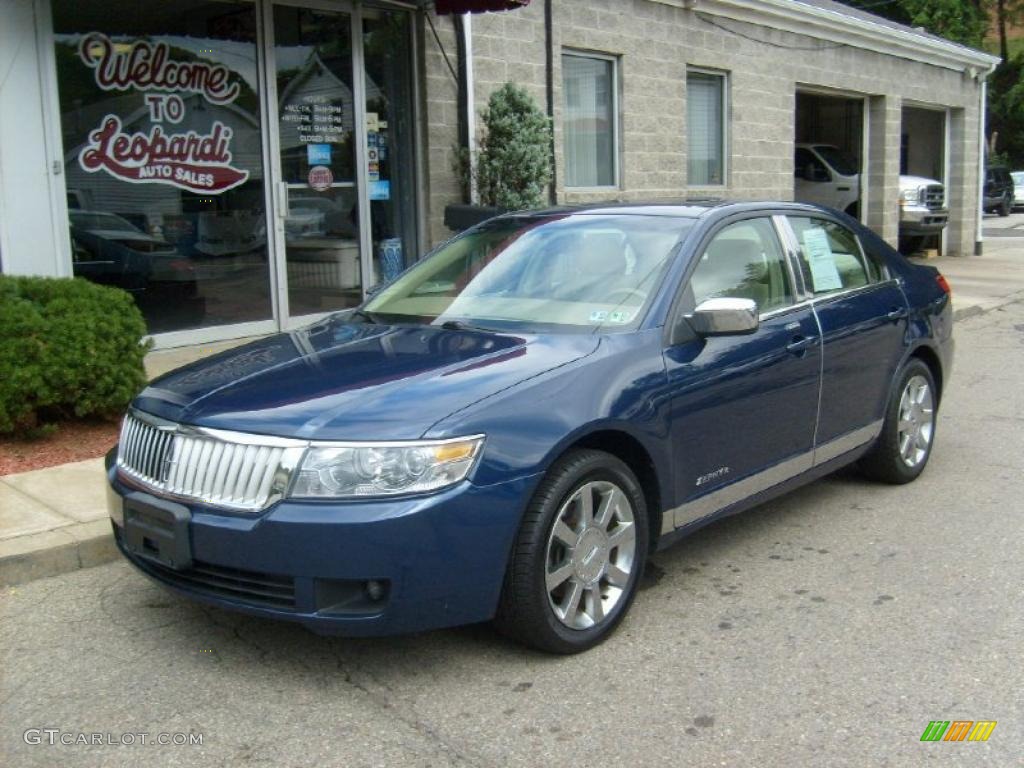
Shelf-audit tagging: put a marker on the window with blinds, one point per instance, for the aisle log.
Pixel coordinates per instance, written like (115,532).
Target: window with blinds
(705,110)
(590,121)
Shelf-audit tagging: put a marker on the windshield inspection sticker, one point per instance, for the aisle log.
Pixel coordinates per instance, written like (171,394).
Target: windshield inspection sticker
(824,273)
(620,317)
(598,316)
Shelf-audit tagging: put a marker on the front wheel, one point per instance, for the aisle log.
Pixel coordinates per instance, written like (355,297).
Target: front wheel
(1006,206)
(578,557)
(905,444)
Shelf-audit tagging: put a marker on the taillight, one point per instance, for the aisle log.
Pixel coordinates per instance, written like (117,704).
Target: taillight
(943,284)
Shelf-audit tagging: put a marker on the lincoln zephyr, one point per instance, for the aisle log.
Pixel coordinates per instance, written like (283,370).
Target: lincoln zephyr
(508,429)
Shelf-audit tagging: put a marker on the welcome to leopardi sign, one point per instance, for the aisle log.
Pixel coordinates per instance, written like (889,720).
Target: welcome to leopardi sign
(196,162)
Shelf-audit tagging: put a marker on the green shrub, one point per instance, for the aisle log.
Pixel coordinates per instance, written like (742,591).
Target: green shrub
(514,162)
(68,348)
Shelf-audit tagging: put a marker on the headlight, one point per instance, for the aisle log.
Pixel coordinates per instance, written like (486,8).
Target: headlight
(384,469)
(911,195)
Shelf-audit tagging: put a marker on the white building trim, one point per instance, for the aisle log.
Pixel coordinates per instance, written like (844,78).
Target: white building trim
(837,27)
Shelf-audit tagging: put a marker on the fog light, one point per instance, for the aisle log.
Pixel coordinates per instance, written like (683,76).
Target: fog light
(374,590)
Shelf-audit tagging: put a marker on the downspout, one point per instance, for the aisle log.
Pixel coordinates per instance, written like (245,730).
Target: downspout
(467,83)
(549,65)
(463,116)
(979,237)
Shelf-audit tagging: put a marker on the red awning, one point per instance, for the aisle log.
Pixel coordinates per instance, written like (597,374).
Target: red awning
(477,6)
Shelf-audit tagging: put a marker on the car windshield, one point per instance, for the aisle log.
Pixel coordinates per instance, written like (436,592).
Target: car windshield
(567,272)
(841,162)
(1018,178)
(109,221)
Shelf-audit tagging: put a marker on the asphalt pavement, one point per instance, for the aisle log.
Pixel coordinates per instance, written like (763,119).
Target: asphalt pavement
(827,628)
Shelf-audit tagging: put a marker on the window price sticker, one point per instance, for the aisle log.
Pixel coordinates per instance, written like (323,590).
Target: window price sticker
(824,273)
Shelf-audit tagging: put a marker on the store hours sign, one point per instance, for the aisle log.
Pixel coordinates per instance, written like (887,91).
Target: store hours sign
(189,160)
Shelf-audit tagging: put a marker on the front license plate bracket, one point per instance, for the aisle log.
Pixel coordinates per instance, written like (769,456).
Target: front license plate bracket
(157,530)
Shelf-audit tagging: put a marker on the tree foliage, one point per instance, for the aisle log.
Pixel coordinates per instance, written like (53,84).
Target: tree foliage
(967,22)
(963,21)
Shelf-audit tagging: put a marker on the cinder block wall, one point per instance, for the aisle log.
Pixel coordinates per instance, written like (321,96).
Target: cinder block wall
(655,43)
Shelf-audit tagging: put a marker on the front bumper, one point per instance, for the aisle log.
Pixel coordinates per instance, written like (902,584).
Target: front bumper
(919,220)
(436,560)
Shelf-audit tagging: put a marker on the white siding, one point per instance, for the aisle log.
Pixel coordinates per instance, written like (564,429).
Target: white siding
(28,236)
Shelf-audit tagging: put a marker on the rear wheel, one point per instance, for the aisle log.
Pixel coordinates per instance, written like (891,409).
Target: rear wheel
(1006,206)
(903,448)
(578,556)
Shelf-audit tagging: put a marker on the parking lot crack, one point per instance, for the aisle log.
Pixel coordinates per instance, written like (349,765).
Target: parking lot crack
(378,695)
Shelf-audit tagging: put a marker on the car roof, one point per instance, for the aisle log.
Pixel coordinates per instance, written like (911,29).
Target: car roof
(689,209)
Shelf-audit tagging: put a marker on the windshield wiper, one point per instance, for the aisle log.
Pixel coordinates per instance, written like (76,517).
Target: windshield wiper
(370,319)
(462,325)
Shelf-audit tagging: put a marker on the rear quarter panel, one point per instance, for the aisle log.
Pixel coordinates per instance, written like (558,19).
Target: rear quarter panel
(930,321)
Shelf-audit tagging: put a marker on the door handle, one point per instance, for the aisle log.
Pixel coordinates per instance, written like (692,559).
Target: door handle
(897,313)
(800,343)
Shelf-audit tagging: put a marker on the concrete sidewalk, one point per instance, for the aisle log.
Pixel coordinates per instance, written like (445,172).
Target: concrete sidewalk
(55,520)
(982,283)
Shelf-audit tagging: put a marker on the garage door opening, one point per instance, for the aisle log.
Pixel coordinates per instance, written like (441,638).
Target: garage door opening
(923,178)
(829,151)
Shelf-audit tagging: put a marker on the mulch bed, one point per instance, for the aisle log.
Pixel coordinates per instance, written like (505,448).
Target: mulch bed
(73,441)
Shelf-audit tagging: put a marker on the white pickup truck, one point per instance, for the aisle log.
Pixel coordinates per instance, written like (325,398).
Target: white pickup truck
(825,175)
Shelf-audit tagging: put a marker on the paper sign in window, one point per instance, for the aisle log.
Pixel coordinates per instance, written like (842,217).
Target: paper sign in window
(824,273)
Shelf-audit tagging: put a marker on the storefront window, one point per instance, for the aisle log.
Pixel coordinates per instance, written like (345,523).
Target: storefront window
(163,156)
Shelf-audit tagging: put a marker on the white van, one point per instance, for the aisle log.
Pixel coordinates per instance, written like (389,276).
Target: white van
(824,174)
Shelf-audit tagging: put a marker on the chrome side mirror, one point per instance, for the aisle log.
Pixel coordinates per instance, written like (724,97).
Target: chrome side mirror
(724,317)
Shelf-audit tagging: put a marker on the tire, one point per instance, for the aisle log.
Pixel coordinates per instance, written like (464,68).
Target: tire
(900,456)
(1005,207)
(602,582)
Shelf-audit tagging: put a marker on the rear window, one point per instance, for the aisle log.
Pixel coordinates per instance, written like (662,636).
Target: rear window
(831,258)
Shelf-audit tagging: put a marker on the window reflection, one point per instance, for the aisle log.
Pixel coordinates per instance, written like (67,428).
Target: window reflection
(163,164)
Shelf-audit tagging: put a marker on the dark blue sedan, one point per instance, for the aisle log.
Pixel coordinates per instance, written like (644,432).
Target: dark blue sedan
(510,427)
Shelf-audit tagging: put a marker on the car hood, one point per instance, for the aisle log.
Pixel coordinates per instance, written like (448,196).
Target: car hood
(912,182)
(345,381)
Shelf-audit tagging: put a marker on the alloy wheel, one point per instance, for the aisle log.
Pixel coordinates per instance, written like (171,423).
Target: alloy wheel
(916,421)
(590,554)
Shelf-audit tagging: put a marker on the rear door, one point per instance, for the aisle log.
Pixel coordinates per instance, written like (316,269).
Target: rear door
(862,313)
(743,408)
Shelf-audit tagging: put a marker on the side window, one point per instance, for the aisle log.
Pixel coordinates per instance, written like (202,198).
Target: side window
(807,166)
(831,257)
(744,261)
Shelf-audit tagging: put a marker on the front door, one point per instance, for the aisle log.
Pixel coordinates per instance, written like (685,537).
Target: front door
(342,102)
(743,407)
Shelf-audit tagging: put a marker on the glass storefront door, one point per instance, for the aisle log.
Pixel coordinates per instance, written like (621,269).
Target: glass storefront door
(390,131)
(343,78)
(316,122)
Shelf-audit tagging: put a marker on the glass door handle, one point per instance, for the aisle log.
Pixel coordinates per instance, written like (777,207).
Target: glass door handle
(282,200)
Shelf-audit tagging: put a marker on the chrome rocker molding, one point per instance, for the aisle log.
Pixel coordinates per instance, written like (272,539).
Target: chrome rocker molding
(751,485)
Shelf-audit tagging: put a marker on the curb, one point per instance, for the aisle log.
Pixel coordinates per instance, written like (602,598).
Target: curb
(52,553)
(972,311)
(976,309)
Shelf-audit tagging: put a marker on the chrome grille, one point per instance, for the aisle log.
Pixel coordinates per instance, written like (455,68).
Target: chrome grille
(934,196)
(142,452)
(239,472)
